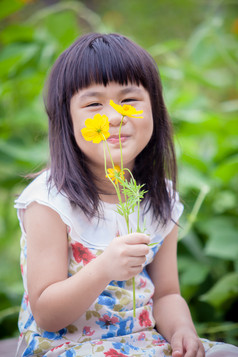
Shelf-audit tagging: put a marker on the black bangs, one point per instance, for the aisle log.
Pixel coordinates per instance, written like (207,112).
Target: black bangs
(105,59)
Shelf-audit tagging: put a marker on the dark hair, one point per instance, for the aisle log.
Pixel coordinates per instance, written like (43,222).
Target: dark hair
(100,59)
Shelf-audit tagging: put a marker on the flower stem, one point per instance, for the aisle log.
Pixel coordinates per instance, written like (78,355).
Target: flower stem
(138,215)
(193,215)
(122,169)
(105,167)
(120,142)
(109,152)
(126,213)
(115,186)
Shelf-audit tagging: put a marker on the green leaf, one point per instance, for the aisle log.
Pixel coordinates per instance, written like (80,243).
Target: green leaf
(223,237)
(16,32)
(9,311)
(9,7)
(151,244)
(16,55)
(227,169)
(223,245)
(226,289)
(191,271)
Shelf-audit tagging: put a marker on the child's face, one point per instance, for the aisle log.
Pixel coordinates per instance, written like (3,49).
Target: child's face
(135,132)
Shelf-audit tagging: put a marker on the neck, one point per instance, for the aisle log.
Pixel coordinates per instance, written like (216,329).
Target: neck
(107,192)
(104,186)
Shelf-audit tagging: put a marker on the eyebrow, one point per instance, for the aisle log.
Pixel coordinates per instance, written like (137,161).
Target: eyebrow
(90,94)
(98,94)
(130,89)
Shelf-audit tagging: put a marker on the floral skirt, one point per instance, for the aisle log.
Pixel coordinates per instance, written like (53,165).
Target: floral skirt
(142,344)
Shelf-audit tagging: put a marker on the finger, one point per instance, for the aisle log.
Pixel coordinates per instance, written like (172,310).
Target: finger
(177,347)
(191,352)
(138,250)
(201,351)
(137,261)
(133,271)
(177,354)
(137,238)
(194,349)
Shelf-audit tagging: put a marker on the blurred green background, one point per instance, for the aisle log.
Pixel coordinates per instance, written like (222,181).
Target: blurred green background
(195,45)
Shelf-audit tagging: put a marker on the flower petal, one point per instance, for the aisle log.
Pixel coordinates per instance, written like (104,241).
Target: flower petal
(126,110)
(115,173)
(97,129)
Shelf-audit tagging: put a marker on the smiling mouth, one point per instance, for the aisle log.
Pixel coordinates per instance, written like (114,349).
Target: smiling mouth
(115,139)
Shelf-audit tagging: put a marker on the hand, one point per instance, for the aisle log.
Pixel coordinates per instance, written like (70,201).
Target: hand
(125,256)
(186,343)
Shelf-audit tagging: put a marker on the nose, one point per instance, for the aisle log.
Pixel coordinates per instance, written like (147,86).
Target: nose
(115,118)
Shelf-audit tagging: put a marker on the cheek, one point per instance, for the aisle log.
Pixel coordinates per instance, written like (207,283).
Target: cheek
(93,152)
(81,142)
(77,126)
(85,146)
(147,129)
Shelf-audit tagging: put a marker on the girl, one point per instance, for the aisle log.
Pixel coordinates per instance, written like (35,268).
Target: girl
(77,259)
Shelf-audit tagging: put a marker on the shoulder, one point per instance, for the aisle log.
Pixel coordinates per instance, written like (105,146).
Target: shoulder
(48,199)
(38,190)
(44,225)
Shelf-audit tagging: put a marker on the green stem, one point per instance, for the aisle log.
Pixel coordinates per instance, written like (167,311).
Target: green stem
(122,169)
(105,167)
(126,215)
(126,169)
(138,203)
(9,311)
(138,216)
(133,281)
(109,152)
(138,230)
(133,289)
(193,215)
(120,142)
(113,166)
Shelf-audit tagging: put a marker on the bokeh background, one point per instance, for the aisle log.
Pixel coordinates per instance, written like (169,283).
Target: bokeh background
(195,45)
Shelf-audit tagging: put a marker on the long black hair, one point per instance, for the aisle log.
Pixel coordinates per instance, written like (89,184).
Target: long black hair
(100,59)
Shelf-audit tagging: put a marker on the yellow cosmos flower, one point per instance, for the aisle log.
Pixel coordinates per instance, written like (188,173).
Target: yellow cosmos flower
(115,174)
(97,129)
(126,110)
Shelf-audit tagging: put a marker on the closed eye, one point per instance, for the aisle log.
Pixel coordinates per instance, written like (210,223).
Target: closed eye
(93,104)
(128,100)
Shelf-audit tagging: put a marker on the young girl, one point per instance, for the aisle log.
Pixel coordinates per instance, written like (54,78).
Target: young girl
(77,258)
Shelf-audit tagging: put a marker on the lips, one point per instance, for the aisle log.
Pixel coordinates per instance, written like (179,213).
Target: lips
(115,138)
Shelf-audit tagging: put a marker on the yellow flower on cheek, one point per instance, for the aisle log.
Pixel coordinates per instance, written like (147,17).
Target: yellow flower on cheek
(97,129)
(115,174)
(126,110)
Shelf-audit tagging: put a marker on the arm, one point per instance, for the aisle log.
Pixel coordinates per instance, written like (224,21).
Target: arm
(171,313)
(56,300)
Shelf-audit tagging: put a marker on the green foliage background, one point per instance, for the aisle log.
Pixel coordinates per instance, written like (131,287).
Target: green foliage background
(195,45)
